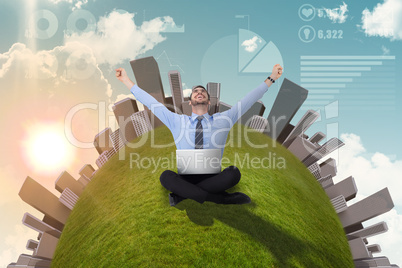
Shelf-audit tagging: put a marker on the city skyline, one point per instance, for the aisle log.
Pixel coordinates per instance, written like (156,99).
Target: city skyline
(63,77)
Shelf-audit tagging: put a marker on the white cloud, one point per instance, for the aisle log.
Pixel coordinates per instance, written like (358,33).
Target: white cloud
(372,174)
(337,14)
(69,64)
(385,20)
(118,38)
(40,65)
(251,45)
(390,242)
(186,92)
(77,4)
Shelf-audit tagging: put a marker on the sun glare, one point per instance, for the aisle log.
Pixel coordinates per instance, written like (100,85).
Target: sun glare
(46,148)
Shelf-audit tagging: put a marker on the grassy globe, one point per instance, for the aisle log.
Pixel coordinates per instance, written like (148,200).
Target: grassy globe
(123,218)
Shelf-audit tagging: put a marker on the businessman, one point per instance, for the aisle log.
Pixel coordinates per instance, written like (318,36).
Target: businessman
(201,131)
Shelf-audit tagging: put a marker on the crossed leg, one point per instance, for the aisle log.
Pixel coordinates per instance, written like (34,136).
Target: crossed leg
(201,187)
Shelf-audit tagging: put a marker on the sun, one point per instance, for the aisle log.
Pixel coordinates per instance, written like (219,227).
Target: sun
(46,149)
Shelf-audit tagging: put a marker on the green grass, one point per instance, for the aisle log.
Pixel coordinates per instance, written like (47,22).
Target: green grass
(123,218)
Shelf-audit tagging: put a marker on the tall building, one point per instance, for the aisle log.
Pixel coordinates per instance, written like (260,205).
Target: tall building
(147,75)
(104,157)
(325,149)
(40,226)
(177,91)
(117,140)
(214,90)
(258,123)
(347,188)
(141,123)
(368,208)
(102,141)
(290,97)
(169,104)
(369,231)
(317,137)
(122,111)
(223,107)
(305,122)
(65,180)
(258,108)
(187,110)
(87,170)
(43,200)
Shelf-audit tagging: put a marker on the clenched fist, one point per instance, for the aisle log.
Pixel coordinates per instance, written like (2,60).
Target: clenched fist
(123,77)
(276,71)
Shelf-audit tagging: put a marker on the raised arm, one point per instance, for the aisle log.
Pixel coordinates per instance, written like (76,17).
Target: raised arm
(245,104)
(160,110)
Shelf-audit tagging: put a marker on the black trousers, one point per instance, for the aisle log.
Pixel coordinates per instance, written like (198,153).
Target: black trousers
(197,187)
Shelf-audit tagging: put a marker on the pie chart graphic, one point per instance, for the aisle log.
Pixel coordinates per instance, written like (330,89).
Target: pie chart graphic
(258,58)
(238,70)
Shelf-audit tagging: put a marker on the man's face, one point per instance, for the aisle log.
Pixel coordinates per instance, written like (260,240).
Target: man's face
(199,96)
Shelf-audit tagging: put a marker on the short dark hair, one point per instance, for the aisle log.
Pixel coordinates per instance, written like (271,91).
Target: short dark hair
(194,87)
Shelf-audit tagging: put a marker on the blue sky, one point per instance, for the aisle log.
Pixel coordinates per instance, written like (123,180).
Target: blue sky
(367,108)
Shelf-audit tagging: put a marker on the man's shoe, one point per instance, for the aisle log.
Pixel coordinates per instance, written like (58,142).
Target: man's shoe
(236,198)
(175,199)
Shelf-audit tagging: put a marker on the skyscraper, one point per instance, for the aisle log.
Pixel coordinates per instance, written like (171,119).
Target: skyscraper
(214,90)
(117,140)
(187,110)
(305,122)
(258,123)
(122,111)
(258,108)
(147,75)
(325,149)
(223,107)
(290,97)
(102,141)
(177,91)
(169,104)
(141,123)
(65,180)
(43,200)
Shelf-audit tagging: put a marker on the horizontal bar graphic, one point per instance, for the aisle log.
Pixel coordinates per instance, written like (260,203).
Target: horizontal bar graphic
(317,97)
(318,74)
(367,97)
(307,102)
(342,69)
(323,85)
(327,80)
(368,102)
(347,57)
(323,91)
(341,63)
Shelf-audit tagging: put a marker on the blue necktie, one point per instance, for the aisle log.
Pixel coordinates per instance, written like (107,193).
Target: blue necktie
(198,134)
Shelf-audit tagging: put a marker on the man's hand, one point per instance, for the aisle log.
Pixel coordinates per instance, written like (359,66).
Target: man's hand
(123,77)
(276,71)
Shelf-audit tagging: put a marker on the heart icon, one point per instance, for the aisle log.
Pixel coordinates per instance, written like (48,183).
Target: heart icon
(307,12)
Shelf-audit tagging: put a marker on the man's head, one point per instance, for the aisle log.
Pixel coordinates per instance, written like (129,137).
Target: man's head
(199,96)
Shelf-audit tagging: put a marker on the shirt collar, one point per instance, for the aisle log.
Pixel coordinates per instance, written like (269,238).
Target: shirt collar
(194,116)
